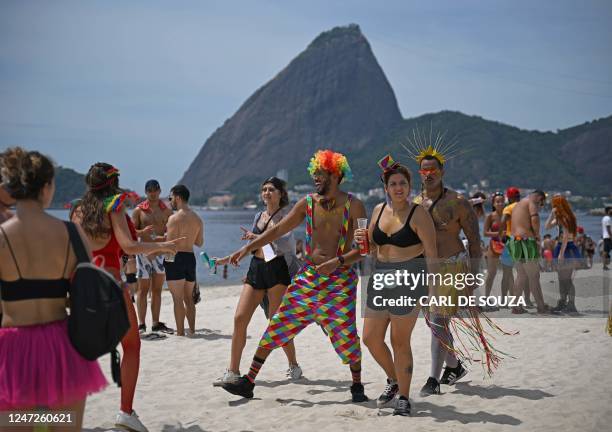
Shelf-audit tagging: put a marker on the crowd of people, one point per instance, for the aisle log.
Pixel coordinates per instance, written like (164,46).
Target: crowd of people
(155,244)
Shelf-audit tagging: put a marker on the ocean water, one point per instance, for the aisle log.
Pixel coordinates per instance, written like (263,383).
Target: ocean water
(222,236)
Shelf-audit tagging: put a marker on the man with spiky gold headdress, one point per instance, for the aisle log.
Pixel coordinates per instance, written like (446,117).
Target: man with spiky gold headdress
(451,213)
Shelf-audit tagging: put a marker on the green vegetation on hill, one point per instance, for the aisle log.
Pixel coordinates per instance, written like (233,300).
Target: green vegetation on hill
(69,185)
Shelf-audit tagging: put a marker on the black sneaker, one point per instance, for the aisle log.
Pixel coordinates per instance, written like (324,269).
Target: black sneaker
(161,327)
(358,393)
(560,306)
(388,394)
(570,308)
(432,386)
(241,387)
(142,328)
(452,375)
(402,408)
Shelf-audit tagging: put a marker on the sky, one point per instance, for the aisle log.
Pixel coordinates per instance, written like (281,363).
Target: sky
(142,85)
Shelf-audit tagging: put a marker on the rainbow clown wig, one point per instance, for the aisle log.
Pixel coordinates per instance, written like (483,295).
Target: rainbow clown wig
(332,162)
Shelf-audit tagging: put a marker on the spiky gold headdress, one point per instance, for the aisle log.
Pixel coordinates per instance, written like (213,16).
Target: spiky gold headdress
(420,145)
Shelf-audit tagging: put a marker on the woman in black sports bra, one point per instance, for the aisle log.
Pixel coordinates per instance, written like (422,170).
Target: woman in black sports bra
(39,367)
(266,276)
(400,233)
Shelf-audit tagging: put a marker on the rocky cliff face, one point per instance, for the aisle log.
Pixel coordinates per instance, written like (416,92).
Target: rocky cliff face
(334,94)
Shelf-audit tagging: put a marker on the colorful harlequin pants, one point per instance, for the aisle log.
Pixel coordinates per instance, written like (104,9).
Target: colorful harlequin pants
(327,300)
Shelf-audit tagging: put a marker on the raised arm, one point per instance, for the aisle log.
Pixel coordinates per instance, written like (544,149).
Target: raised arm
(288,223)
(132,247)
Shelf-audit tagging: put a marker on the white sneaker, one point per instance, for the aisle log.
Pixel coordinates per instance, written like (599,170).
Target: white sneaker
(228,377)
(294,372)
(130,421)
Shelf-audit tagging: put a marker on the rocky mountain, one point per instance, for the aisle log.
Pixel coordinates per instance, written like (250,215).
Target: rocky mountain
(69,185)
(335,95)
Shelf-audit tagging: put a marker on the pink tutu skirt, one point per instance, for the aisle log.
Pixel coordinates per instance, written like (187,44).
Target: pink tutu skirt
(40,368)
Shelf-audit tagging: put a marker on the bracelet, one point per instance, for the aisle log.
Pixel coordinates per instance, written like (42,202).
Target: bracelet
(340,259)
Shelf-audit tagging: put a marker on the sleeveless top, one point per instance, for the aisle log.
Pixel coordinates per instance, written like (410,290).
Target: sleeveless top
(405,237)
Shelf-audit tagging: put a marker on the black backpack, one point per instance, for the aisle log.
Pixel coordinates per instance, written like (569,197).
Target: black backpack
(98,315)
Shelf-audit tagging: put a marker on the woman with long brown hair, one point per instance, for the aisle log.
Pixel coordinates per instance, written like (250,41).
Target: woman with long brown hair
(111,234)
(566,252)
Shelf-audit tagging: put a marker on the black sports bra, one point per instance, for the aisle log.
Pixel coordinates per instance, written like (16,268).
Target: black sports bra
(29,289)
(403,238)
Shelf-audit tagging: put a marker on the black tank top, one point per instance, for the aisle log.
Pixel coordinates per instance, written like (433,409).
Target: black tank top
(403,238)
(29,289)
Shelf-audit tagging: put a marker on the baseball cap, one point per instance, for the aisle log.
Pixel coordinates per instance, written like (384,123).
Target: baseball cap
(512,192)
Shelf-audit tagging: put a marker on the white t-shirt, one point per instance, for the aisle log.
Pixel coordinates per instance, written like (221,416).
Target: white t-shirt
(605,222)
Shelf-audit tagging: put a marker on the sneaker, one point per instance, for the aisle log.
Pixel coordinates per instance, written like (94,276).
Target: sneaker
(241,387)
(529,305)
(130,421)
(431,387)
(452,375)
(142,328)
(388,394)
(358,393)
(560,306)
(161,327)
(402,408)
(228,377)
(570,308)
(294,372)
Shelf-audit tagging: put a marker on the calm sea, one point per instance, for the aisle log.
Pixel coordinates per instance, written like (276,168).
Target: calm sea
(222,236)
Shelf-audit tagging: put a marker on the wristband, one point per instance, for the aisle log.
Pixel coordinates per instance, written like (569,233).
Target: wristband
(340,259)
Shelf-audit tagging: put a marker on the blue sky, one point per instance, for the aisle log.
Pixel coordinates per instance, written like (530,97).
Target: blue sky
(143,84)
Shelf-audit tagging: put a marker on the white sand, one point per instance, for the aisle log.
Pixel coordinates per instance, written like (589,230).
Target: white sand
(561,379)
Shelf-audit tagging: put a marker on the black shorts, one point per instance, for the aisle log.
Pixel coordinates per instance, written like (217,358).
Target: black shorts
(607,246)
(265,275)
(183,267)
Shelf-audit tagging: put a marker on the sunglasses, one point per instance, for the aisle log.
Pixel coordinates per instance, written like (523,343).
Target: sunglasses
(429,171)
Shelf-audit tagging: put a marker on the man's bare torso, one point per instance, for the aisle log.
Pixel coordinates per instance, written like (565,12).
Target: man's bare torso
(185,223)
(445,215)
(327,228)
(156,217)
(521,220)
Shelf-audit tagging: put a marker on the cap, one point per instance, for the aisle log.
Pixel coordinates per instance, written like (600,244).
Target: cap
(152,185)
(512,192)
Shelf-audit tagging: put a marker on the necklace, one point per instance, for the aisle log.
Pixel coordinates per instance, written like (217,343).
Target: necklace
(327,204)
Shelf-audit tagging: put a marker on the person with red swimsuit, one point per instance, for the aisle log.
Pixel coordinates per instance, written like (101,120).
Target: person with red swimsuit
(111,234)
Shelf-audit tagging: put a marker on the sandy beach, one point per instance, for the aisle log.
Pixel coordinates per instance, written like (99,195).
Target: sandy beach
(559,379)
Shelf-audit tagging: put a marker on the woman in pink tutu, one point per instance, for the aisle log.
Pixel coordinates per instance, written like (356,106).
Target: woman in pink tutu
(39,368)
